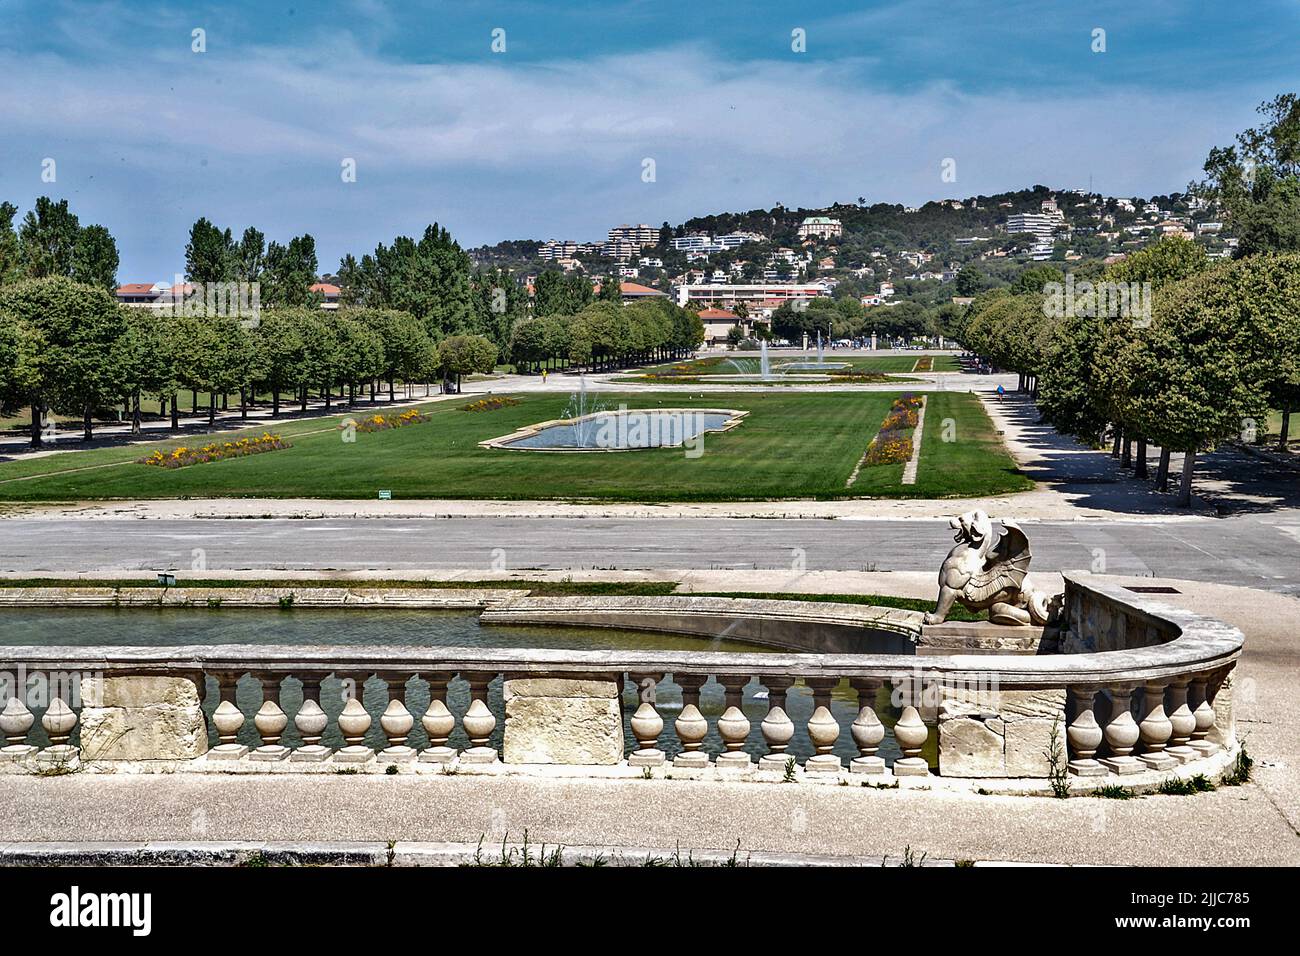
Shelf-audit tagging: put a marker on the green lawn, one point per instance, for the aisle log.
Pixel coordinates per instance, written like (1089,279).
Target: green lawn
(790,445)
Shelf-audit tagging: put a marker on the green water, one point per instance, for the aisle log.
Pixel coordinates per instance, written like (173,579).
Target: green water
(110,627)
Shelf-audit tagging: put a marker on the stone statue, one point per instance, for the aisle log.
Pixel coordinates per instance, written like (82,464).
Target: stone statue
(988,571)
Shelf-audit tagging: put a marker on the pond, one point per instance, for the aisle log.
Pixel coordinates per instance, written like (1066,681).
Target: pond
(87,627)
(622,430)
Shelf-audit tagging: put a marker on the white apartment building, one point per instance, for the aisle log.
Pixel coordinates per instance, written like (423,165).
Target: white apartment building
(640,235)
(715,293)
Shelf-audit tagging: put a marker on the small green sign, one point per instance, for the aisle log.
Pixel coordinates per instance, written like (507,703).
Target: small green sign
(385,496)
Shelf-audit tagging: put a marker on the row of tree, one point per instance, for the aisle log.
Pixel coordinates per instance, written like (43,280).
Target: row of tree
(1199,363)
(606,335)
(70,348)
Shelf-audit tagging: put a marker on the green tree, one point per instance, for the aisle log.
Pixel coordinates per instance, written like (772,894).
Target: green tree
(208,254)
(279,340)
(48,239)
(1257,180)
(11,260)
(94,258)
(290,272)
(71,334)
(465,355)
(1202,371)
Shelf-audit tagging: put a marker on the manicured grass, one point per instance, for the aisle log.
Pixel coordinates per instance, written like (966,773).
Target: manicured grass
(790,446)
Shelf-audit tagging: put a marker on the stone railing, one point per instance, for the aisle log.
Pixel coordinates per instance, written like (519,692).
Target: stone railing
(1147,690)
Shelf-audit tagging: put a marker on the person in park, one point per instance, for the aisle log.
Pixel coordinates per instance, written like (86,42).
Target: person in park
(1002,392)
(543,376)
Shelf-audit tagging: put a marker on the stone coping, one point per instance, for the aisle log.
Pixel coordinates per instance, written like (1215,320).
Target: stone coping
(311,596)
(736,416)
(1202,644)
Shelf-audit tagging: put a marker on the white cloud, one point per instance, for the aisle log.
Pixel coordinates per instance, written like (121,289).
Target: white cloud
(499,149)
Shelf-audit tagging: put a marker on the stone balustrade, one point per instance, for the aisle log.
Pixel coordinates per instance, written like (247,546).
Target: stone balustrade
(1146,688)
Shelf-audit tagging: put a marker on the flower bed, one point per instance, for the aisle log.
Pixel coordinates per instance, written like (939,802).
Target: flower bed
(892,445)
(379,423)
(214,451)
(889,448)
(924,364)
(490,404)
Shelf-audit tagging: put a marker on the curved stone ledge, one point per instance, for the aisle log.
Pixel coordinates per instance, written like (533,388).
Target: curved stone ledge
(998,715)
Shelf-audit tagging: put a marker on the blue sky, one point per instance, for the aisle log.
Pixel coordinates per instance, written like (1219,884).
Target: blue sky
(548,138)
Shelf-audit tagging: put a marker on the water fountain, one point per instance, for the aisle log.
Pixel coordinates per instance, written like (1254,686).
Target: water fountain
(584,417)
(764,369)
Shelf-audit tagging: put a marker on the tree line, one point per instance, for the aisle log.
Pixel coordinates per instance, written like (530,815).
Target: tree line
(70,348)
(1207,356)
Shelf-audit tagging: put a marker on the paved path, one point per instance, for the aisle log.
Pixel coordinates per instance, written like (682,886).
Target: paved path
(1249,551)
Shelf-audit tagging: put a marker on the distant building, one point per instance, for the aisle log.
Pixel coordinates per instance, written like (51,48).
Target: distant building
(638,236)
(729,294)
(820,227)
(633,292)
(329,294)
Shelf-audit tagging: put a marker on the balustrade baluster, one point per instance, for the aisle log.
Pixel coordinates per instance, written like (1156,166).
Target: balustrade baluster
(1155,729)
(823,728)
(777,727)
(438,722)
(270,721)
(15,721)
(647,724)
(910,732)
(311,721)
(733,725)
(1121,732)
(353,722)
(227,719)
(1084,735)
(1204,714)
(1181,721)
(867,730)
(690,725)
(479,722)
(396,722)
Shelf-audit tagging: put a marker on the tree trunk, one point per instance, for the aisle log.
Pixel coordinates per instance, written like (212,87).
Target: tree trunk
(194,401)
(1185,483)
(225,402)
(329,396)
(372,391)
(1286,429)
(1115,444)
(176,412)
(302,394)
(1140,464)
(391,399)
(1126,455)
(37,439)
(275,402)
(88,431)
(243,404)
(1162,471)
(212,410)
(135,413)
